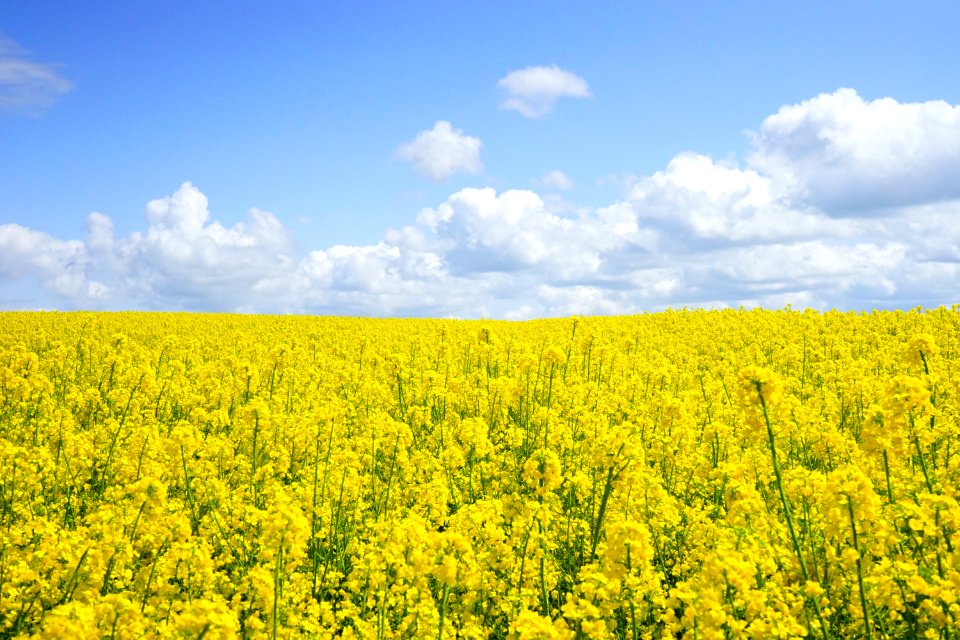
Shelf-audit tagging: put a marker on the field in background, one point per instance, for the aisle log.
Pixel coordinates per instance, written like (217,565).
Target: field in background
(695,474)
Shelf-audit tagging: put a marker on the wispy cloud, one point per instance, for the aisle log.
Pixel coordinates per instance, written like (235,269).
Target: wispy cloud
(534,91)
(557,180)
(27,86)
(700,232)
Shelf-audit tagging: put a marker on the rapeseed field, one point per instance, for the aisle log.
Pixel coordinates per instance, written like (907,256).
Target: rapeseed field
(728,474)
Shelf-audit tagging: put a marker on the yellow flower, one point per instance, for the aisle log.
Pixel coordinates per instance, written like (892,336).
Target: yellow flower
(447,571)
(208,618)
(533,626)
(177,476)
(552,356)
(758,382)
(542,471)
(920,350)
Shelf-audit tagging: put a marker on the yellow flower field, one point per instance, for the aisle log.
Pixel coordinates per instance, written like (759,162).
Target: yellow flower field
(682,474)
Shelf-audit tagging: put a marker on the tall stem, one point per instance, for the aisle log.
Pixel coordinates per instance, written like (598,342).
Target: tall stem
(886,472)
(443,611)
(856,546)
(786,505)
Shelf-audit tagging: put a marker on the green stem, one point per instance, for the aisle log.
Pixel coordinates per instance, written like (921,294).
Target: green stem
(923,461)
(545,601)
(856,546)
(443,611)
(886,472)
(546,422)
(277,577)
(786,505)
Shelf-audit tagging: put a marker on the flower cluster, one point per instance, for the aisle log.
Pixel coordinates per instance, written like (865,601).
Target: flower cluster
(690,474)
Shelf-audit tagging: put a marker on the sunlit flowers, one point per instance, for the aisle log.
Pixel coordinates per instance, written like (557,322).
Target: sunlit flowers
(729,474)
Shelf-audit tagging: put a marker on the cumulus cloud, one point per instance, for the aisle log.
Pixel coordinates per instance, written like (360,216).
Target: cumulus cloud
(534,91)
(515,232)
(185,257)
(704,202)
(442,151)
(846,155)
(61,266)
(700,232)
(27,86)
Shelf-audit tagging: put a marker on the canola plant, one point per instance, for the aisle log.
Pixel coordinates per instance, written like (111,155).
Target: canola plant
(728,474)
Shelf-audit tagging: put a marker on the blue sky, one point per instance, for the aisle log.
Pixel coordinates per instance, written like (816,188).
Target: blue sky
(478,158)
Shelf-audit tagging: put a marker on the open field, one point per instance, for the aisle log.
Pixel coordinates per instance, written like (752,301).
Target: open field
(691,474)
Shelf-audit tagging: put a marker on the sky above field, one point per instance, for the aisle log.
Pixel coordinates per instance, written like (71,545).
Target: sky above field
(478,159)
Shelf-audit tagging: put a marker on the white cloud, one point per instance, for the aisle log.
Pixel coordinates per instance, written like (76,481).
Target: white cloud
(27,86)
(443,151)
(183,257)
(481,231)
(702,201)
(61,266)
(557,180)
(579,300)
(846,155)
(534,91)
(809,263)
(700,232)
(935,230)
